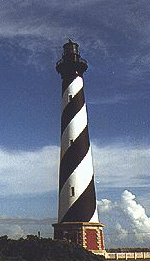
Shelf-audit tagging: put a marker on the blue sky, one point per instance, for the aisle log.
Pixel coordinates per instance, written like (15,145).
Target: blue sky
(114,38)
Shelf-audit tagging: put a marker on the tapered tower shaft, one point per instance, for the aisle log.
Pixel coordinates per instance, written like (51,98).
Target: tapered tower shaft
(77,201)
(77,214)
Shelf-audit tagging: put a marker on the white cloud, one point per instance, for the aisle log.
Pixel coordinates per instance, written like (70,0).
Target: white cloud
(120,99)
(29,172)
(121,165)
(14,231)
(145,201)
(122,232)
(112,100)
(139,220)
(33,18)
(116,165)
(56,21)
(51,18)
(105,205)
(126,222)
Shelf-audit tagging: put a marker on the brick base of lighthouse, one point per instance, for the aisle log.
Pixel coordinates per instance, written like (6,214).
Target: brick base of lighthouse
(87,234)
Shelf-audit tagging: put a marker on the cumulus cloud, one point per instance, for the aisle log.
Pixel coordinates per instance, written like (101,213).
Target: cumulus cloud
(12,230)
(145,201)
(137,214)
(127,223)
(29,172)
(16,232)
(105,205)
(122,232)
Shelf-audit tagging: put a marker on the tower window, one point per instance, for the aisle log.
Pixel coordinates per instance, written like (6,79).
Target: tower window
(70,98)
(72,192)
(71,142)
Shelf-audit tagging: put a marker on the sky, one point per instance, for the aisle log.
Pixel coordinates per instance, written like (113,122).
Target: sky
(114,38)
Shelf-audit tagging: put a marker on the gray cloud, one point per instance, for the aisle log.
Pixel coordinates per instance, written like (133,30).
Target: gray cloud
(115,25)
(112,34)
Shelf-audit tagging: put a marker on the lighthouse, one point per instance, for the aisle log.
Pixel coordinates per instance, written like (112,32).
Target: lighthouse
(77,211)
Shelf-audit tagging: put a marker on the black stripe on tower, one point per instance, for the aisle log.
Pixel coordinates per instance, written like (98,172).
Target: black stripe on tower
(68,80)
(73,156)
(72,108)
(83,209)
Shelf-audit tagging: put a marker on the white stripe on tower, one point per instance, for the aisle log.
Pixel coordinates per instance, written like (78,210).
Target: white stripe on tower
(77,201)
(72,89)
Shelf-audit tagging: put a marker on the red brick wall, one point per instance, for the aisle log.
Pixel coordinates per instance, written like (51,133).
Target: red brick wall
(91,239)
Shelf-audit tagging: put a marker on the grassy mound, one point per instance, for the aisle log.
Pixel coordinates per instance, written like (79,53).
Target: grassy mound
(34,249)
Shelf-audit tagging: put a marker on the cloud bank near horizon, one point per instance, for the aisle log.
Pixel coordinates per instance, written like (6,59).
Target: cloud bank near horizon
(127,223)
(121,165)
(25,172)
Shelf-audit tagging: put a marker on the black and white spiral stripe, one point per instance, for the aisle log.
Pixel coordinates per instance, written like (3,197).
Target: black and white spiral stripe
(77,201)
